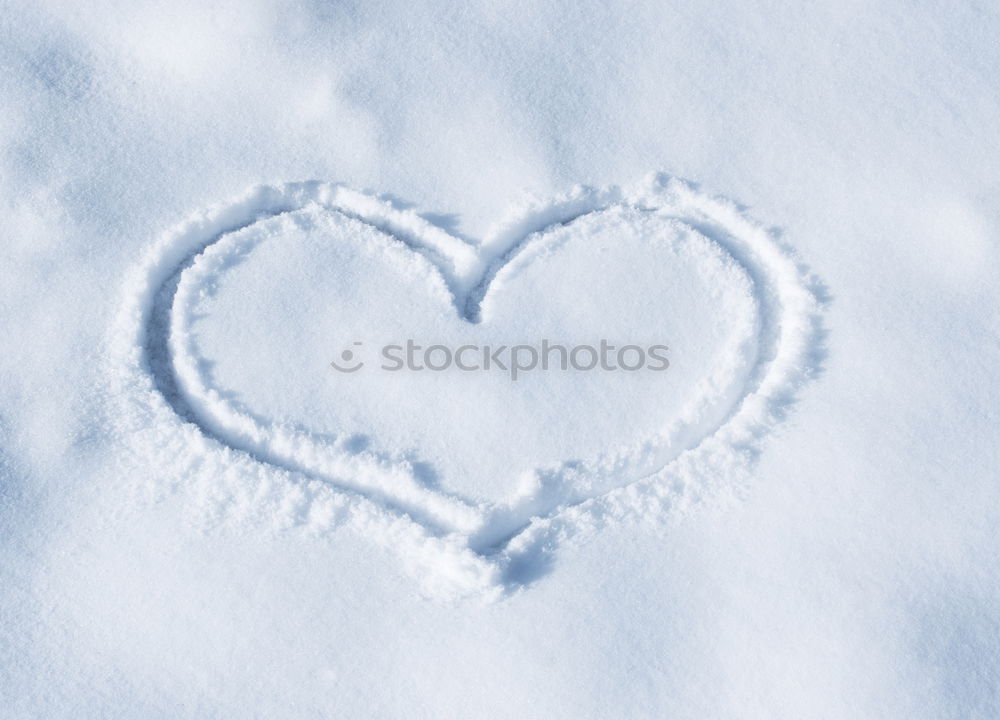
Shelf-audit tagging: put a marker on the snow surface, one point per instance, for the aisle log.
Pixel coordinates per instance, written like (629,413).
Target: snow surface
(800,518)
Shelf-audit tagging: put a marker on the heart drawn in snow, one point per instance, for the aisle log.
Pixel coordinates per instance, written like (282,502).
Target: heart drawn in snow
(471,474)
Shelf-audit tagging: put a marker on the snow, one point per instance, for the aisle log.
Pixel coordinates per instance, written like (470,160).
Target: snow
(205,203)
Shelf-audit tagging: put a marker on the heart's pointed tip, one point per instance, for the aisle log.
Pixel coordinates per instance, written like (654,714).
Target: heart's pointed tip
(449,570)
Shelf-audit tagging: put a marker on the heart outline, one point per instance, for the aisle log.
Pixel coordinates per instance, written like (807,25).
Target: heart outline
(449,558)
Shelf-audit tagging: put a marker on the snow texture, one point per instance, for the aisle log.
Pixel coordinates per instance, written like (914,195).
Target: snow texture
(206,203)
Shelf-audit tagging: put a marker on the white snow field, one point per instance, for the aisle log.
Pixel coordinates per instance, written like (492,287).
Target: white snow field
(779,224)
